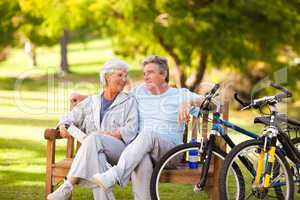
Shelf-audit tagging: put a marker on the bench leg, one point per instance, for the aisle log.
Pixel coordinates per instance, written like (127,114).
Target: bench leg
(49,170)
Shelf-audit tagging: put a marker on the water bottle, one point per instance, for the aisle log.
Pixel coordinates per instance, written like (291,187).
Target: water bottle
(193,156)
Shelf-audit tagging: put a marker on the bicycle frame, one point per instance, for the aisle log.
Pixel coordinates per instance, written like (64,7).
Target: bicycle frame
(218,130)
(270,137)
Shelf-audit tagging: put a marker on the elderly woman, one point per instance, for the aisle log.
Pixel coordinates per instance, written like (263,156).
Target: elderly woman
(104,124)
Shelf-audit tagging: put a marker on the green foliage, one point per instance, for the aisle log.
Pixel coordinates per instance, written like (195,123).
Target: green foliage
(8,23)
(229,33)
(232,33)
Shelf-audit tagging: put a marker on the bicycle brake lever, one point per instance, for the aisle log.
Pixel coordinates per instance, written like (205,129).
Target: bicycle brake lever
(247,107)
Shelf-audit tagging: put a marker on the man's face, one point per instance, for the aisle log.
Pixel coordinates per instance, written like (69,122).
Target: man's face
(153,77)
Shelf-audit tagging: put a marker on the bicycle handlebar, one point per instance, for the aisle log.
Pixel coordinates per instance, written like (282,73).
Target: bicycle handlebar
(215,88)
(284,90)
(236,96)
(271,100)
(209,96)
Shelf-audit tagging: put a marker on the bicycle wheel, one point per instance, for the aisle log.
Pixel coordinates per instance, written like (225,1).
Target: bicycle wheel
(293,167)
(296,169)
(281,185)
(163,186)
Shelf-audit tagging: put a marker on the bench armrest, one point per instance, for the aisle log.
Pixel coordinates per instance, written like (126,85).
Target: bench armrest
(52,134)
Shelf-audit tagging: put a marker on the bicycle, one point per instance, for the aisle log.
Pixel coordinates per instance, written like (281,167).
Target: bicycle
(207,151)
(273,159)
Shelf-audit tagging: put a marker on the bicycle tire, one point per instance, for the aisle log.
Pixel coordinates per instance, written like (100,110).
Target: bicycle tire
(172,153)
(233,155)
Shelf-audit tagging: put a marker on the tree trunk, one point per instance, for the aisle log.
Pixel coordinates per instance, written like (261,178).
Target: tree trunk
(202,64)
(33,55)
(64,66)
(180,77)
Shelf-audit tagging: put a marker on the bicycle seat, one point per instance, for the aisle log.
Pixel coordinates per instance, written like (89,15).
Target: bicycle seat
(262,120)
(266,120)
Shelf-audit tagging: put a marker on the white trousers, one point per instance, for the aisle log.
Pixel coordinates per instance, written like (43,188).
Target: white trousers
(136,160)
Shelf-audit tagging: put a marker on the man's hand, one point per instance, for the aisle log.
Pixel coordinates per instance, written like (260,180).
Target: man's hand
(76,98)
(116,133)
(63,131)
(184,112)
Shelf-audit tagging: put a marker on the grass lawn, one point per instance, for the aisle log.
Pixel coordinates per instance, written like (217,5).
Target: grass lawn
(38,101)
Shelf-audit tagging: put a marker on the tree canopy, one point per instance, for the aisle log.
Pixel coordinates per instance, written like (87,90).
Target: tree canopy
(223,33)
(195,34)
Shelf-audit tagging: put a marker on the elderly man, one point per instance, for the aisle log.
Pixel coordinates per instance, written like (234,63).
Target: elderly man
(105,124)
(162,111)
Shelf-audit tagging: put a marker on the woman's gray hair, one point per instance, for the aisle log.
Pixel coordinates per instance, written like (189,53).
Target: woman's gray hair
(109,67)
(161,62)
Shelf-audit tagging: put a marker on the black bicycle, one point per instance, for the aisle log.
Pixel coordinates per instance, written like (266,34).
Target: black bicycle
(273,160)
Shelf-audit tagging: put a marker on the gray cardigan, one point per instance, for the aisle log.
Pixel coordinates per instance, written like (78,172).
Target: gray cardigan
(122,114)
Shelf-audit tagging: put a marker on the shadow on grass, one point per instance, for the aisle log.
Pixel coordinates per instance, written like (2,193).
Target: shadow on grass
(82,64)
(27,98)
(28,121)
(34,192)
(13,145)
(41,83)
(17,192)
(11,177)
(8,83)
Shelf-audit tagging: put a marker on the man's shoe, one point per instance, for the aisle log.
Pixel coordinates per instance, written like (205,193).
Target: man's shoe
(61,193)
(105,180)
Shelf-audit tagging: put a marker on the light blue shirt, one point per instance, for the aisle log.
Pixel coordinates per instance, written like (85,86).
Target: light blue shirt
(159,113)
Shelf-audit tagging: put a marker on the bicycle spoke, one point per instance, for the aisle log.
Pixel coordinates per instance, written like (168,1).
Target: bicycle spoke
(250,195)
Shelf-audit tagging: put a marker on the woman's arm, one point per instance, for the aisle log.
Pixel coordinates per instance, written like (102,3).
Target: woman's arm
(129,131)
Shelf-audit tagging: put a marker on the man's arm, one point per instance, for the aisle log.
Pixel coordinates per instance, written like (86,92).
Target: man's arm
(185,107)
(74,118)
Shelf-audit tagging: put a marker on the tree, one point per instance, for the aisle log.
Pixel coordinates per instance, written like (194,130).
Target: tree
(198,34)
(32,34)
(59,19)
(8,25)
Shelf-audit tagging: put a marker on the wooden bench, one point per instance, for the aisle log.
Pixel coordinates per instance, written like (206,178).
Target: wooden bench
(56,171)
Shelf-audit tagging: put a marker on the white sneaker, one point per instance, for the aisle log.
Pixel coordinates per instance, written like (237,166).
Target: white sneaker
(105,180)
(61,193)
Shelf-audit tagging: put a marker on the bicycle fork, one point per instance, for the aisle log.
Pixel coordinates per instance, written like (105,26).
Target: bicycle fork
(269,163)
(200,186)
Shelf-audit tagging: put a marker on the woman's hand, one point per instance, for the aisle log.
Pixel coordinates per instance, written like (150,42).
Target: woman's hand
(184,112)
(63,131)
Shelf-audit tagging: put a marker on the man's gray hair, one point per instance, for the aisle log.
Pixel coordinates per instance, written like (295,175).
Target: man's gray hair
(161,62)
(109,67)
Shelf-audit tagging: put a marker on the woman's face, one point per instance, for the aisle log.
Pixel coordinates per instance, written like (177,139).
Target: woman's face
(116,81)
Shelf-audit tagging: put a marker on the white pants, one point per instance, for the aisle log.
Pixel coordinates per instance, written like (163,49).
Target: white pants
(136,160)
(92,157)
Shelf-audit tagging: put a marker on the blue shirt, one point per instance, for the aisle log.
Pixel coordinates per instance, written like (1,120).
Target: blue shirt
(104,106)
(159,113)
